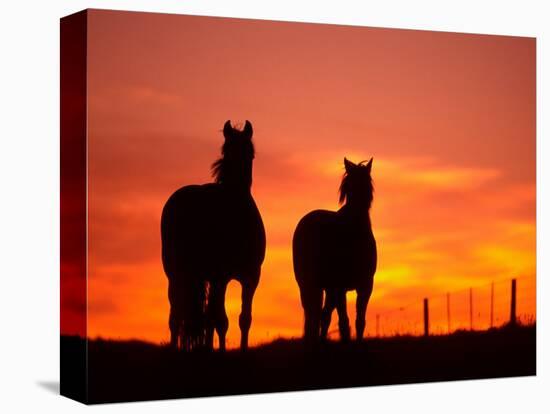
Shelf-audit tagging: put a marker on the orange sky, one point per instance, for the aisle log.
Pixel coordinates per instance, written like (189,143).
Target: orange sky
(449,119)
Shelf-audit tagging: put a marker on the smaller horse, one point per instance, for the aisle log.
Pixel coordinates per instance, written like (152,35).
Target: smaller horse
(335,252)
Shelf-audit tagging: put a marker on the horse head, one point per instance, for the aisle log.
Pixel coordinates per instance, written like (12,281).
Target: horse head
(357,188)
(234,168)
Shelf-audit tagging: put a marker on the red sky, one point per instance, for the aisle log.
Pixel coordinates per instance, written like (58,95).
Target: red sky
(449,119)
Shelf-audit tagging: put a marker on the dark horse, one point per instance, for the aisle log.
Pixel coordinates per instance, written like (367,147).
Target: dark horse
(211,234)
(335,252)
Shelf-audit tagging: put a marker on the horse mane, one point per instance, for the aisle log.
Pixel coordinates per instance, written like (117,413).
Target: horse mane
(345,185)
(221,167)
(218,170)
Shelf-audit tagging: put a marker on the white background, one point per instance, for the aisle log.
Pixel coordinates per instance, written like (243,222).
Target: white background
(29,202)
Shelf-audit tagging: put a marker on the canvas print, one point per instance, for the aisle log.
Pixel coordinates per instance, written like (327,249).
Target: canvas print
(255,206)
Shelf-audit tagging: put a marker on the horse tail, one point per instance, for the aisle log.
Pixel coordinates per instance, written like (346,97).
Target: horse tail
(194,313)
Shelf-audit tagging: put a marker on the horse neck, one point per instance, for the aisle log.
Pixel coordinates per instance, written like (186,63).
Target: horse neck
(356,215)
(236,174)
(236,190)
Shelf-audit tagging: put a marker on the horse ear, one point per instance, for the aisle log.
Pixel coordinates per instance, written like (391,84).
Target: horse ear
(227,129)
(349,165)
(369,165)
(247,131)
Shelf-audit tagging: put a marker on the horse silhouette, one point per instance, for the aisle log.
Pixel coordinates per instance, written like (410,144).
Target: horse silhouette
(211,234)
(334,252)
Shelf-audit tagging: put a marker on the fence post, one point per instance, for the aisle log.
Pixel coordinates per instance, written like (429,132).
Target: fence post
(471,311)
(513,304)
(492,303)
(426,318)
(448,313)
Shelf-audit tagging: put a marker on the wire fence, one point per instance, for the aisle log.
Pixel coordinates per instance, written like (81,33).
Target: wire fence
(492,305)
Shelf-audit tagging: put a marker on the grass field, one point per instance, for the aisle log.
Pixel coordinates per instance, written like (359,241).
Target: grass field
(133,370)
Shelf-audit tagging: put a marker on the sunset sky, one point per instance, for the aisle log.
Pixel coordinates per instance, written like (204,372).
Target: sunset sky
(449,119)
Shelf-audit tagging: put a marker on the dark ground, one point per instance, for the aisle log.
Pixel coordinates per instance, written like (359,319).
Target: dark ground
(132,370)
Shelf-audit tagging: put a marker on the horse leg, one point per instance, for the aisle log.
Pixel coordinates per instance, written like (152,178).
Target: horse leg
(220,316)
(175,319)
(249,282)
(343,320)
(210,319)
(312,301)
(174,322)
(363,296)
(330,304)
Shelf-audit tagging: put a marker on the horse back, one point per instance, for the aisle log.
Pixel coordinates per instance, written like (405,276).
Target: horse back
(209,229)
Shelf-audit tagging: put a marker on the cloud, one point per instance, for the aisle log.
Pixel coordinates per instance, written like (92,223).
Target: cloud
(102,305)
